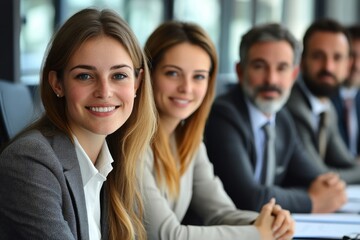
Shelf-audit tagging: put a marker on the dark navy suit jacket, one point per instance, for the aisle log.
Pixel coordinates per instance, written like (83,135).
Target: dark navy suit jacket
(339,107)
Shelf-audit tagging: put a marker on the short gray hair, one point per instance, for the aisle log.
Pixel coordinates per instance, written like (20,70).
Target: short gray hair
(268,32)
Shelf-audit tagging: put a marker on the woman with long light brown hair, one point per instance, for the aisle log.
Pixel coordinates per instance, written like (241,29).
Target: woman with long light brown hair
(178,174)
(72,174)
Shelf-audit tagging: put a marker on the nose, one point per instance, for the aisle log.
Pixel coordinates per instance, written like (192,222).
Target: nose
(329,64)
(271,76)
(103,88)
(185,85)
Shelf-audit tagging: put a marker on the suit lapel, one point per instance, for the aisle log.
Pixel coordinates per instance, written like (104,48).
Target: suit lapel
(338,103)
(66,153)
(242,109)
(301,109)
(357,104)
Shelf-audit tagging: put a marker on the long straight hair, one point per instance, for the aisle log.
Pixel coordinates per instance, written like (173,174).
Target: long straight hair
(128,143)
(189,134)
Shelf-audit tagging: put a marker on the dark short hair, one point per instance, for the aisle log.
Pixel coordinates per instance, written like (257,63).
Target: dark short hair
(325,25)
(354,31)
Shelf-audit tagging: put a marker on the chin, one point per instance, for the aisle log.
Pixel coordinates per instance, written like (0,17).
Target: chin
(271,106)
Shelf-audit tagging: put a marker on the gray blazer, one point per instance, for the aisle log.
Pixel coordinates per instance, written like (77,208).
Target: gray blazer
(41,193)
(230,145)
(203,193)
(337,157)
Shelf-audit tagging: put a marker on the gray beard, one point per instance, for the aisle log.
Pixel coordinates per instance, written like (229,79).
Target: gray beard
(266,106)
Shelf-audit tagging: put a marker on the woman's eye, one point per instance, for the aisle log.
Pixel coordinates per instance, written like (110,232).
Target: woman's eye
(83,76)
(171,73)
(199,77)
(119,76)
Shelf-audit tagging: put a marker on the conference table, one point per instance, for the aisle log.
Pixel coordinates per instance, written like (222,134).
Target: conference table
(344,224)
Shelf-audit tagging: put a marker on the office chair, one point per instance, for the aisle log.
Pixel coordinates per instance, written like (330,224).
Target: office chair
(16,109)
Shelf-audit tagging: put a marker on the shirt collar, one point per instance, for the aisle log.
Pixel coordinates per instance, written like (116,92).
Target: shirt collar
(88,169)
(348,93)
(317,106)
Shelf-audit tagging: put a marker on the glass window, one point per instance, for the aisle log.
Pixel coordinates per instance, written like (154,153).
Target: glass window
(206,13)
(268,11)
(240,23)
(144,16)
(72,6)
(36,30)
(298,15)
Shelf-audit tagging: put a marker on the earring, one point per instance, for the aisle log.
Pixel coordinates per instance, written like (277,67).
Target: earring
(135,96)
(58,95)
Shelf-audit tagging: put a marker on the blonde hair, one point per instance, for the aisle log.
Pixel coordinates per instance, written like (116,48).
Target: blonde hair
(128,143)
(188,135)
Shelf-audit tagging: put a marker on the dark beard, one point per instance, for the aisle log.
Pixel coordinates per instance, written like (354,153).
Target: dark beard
(318,89)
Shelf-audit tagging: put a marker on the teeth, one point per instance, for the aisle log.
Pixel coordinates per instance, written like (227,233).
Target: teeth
(102,109)
(181,101)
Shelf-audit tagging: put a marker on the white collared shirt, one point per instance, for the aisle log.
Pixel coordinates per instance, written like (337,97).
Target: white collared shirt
(93,177)
(258,120)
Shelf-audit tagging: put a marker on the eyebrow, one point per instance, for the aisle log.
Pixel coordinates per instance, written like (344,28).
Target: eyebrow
(173,66)
(261,60)
(88,67)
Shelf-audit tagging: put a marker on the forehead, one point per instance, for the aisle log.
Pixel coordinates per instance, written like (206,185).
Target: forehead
(329,42)
(187,54)
(101,50)
(271,51)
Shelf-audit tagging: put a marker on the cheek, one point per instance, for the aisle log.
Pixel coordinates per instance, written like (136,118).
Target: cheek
(312,69)
(126,93)
(74,96)
(288,81)
(202,90)
(163,87)
(255,79)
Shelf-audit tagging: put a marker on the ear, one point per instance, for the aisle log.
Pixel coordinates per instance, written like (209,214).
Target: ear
(295,73)
(239,71)
(55,84)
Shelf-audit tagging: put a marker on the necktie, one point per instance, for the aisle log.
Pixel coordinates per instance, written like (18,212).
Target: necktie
(322,135)
(268,171)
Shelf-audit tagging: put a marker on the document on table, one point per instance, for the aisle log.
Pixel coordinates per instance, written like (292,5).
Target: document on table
(326,226)
(346,222)
(353,204)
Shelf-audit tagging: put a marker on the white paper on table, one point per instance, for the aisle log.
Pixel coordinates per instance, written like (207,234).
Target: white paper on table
(327,225)
(353,203)
(313,230)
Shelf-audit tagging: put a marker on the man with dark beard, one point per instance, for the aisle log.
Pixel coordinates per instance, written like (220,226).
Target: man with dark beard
(325,64)
(253,164)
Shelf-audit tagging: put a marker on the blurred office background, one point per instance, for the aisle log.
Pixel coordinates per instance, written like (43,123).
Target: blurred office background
(27,25)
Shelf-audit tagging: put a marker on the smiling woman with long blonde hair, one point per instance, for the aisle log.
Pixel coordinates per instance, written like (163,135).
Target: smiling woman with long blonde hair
(72,174)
